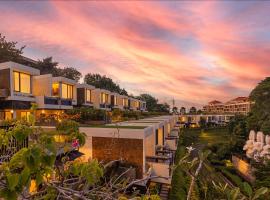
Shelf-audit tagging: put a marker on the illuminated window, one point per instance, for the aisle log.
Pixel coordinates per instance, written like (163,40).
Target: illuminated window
(5,115)
(8,115)
(25,115)
(55,89)
(115,100)
(125,102)
(104,98)
(67,91)
(16,81)
(22,82)
(88,95)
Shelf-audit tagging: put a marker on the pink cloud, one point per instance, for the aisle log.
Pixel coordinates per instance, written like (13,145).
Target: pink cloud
(142,46)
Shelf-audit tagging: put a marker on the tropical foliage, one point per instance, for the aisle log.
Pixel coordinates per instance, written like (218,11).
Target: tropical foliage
(44,170)
(259,118)
(104,82)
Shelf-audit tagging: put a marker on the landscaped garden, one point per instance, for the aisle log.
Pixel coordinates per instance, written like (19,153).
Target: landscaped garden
(217,178)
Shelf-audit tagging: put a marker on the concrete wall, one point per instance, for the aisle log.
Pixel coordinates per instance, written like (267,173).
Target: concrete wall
(149,145)
(5,79)
(42,85)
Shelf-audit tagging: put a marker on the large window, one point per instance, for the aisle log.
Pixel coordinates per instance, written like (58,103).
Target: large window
(25,115)
(115,100)
(88,95)
(5,115)
(55,89)
(22,82)
(104,97)
(125,102)
(67,91)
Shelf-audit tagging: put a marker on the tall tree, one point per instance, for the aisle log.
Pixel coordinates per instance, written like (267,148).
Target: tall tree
(8,50)
(259,117)
(104,82)
(175,110)
(48,66)
(182,110)
(71,73)
(151,102)
(162,107)
(192,110)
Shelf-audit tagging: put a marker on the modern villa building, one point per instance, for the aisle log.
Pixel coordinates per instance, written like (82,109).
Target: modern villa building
(85,95)
(136,142)
(22,85)
(54,94)
(16,90)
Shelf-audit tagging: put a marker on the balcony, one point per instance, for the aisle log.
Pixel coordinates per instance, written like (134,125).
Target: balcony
(105,106)
(57,101)
(45,102)
(126,107)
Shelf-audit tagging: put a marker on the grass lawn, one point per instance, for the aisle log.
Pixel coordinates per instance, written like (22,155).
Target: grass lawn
(206,137)
(113,126)
(214,136)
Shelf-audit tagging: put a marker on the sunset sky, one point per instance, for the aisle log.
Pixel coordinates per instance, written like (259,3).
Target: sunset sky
(193,52)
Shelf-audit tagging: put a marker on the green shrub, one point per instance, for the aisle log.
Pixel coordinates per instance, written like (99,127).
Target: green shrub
(87,114)
(178,190)
(67,127)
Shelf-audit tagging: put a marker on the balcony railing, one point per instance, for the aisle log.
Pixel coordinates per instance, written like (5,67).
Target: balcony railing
(57,101)
(104,105)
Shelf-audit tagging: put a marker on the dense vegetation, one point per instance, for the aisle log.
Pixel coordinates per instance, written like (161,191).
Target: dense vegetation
(259,118)
(217,170)
(44,170)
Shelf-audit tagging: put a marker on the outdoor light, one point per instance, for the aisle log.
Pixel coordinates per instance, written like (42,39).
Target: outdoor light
(12,111)
(43,111)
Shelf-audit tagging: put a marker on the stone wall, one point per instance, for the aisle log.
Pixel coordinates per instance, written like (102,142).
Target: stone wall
(130,150)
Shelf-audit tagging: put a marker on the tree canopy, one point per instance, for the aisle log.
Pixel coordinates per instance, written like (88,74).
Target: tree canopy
(104,82)
(48,66)
(153,105)
(192,110)
(259,117)
(8,50)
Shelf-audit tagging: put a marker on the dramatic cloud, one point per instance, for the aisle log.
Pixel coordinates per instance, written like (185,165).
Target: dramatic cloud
(190,51)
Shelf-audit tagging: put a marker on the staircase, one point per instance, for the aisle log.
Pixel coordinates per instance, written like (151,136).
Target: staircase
(164,192)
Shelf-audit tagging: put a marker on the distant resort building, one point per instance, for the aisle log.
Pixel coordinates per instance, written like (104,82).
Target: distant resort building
(239,105)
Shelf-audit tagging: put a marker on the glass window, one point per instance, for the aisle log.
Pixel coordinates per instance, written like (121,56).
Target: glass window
(25,115)
(64,91)
(103,97)
(106,98)
(16,81)
(88,95)
(70,91)
(115,100)
(25,83)
(22,82)
(67,91)
(8,116)
(55,89)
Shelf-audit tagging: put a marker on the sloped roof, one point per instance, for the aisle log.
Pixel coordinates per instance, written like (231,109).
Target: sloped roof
(214,102)
(239,99)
